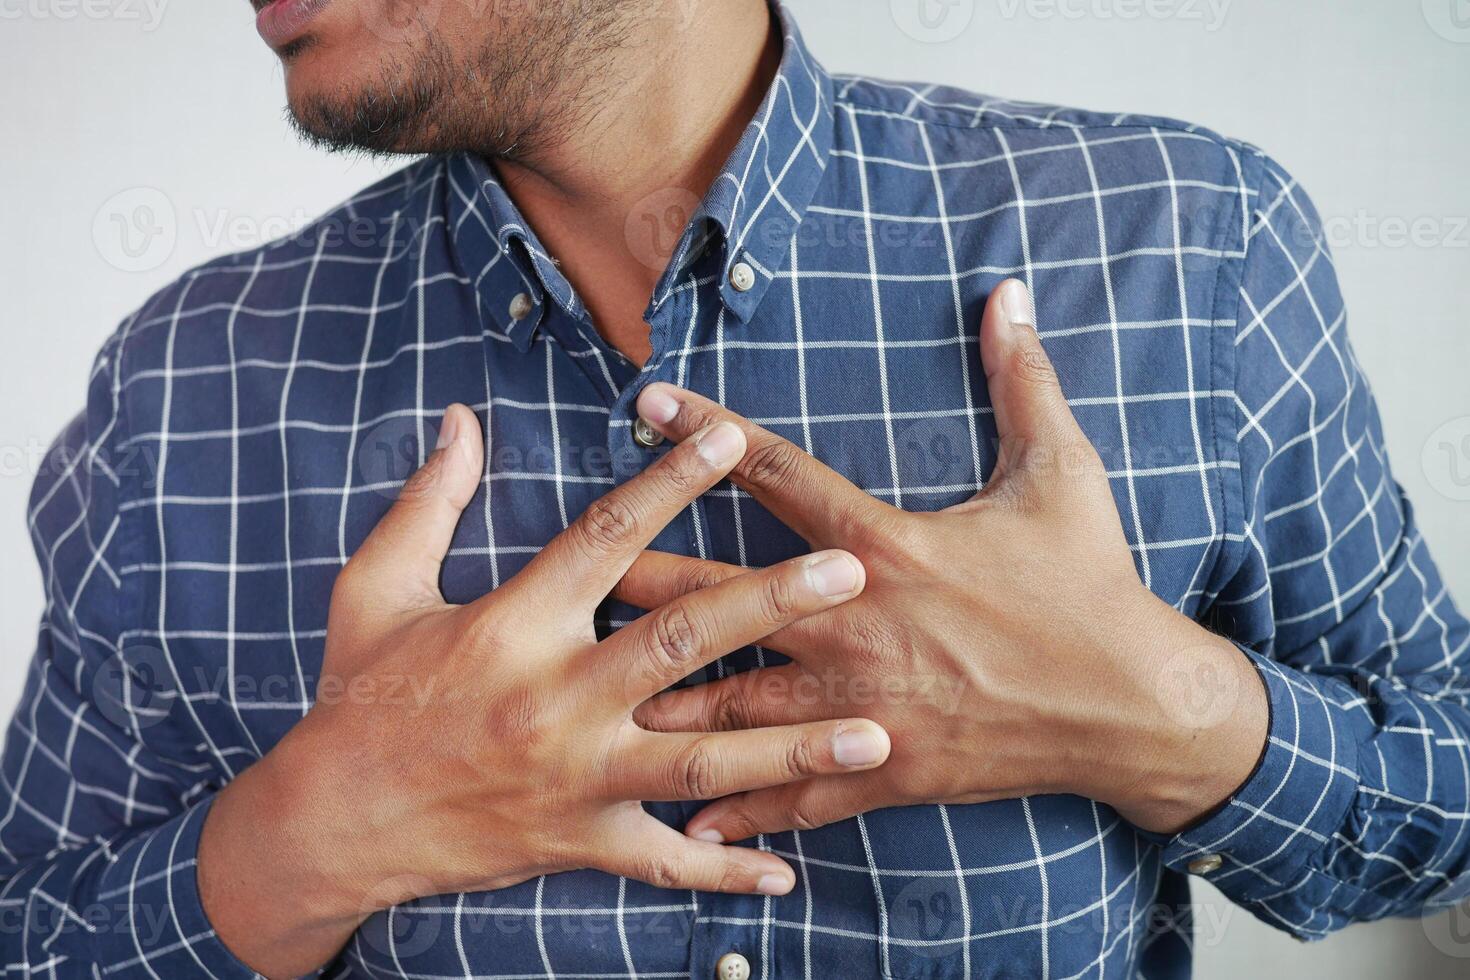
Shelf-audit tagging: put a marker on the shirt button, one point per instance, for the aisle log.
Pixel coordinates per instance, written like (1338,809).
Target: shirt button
(732,966)
(742,277)
(646,435)
(1208,864)
(521,307)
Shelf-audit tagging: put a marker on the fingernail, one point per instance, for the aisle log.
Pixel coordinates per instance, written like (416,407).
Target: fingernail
(657,406)
(448,431)
(853,749)
(773,885)
(721,444)
(709,835)
(1015,302)
(837,575)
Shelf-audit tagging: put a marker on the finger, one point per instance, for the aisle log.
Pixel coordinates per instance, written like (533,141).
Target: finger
(797,806)
(650,851)
(675,640)
(1032,417)
(403,555)
(813,500)
(657,579)
(767,698)
(703,767)
(586,560)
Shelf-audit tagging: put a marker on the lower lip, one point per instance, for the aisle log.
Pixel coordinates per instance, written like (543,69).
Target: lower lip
(285,21)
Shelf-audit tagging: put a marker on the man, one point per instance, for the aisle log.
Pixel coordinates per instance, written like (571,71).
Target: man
(1003,738)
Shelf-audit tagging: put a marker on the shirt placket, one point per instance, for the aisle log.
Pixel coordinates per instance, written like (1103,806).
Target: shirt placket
(726,934)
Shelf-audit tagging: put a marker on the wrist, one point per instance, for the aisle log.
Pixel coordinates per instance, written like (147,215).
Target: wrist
(1193,723)
(283,881)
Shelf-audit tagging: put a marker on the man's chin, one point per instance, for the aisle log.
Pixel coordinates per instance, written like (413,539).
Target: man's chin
(343,115)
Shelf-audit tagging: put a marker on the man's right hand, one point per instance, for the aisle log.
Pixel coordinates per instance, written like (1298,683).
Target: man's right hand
(523,759)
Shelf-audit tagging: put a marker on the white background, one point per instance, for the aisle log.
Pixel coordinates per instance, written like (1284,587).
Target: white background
(177,107)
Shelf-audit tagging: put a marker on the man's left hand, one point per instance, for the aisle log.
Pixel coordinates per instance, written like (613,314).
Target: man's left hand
(1006,644)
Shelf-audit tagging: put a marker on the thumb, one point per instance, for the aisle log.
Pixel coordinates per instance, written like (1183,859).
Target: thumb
(1031,413)
(407,548)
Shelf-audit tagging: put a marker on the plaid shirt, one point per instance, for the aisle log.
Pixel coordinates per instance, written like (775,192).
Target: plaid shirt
(247,428)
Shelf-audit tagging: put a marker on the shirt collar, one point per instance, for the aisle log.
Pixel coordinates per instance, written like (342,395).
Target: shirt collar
(512,274)
(754,207)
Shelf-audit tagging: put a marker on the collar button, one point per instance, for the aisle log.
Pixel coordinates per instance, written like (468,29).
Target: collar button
(1206,865)
(742,277)
(521,307)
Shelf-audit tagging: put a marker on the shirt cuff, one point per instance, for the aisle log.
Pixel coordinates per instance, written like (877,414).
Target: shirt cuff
(1268,843)
(150,920)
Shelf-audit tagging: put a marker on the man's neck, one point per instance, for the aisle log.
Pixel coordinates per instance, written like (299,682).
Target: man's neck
(609,200)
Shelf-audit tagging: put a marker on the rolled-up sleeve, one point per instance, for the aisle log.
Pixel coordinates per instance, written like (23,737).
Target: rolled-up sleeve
(99,828)
(1358,808)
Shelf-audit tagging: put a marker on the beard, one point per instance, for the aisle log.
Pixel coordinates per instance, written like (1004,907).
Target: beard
(509,96)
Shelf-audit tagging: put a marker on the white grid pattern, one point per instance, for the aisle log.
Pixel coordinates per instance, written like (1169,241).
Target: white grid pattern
(189,540)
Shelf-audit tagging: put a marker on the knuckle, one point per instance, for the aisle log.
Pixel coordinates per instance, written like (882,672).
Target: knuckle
(674,638)
(607,523)
(679,476)
(662,871)
(800,816)
(771,463)
(697,417)
(696,772)
(1031,365)
(732,877)
(728,709)
(750,824)
(780,596)
(801,758)
(697,576)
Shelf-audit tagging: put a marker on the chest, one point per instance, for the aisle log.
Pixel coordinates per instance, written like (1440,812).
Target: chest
(886,387)
(247,534)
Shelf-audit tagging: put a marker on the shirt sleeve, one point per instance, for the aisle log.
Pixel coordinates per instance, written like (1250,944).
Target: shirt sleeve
(1359,805)
(98,827)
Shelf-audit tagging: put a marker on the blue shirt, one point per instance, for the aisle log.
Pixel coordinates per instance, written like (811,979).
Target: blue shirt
(247,427)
